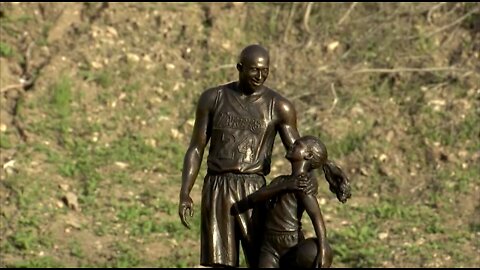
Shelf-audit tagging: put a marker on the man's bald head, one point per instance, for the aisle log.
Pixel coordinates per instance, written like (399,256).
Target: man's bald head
(254,53)
(253,65)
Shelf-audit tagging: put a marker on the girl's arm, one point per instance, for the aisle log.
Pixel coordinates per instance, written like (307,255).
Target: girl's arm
(313,209)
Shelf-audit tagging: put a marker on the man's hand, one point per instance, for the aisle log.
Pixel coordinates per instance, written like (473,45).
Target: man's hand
(186,204)
(296,183)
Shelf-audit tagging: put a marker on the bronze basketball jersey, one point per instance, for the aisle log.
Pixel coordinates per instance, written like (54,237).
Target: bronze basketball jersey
(284,213)
(244,132)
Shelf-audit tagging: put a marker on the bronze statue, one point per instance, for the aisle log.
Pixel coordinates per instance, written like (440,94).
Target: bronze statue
(283,244)
(241,119)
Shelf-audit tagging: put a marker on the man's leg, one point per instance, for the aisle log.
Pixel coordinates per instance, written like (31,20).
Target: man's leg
(216,223)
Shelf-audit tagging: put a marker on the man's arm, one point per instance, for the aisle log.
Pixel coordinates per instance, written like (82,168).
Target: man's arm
(279,185)
(313,209)
(287,127)
(286,122)
(193,157)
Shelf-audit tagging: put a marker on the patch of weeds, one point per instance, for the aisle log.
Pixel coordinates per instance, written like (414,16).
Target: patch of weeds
(104,79)
(45,30)
(28,236)
(104,97)
(389,210)
(464,177)
(81,163)
(423,253)
(356,245)
(76,249)
(24,239)
(8,23)
(383,87)
(6,50)
(164,110)
(5,141)
(125,257)
(351,142)
(41,262)
(175,227)
(120,177)
(166,206)
(131,149)
(67,168)
(459,237)
(437,127)
(26,194)
(101,229)
(434,225)
(61,96)
(139,220)
(179,258)
(425,44)
(475,227)
(173,153)
(469,129)
(132,87)
(146,227)
(132,213)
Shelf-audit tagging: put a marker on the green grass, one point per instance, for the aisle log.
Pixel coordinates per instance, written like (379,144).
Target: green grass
(356,245)
(6,50)
(61,97)
(125,257)
(76,250)
(127,208)
(42,262)
(104,79)
(5,141)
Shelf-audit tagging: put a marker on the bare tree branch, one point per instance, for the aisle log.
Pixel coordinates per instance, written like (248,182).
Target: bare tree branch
(350,9)
(222,67)
(289,22)
(335,97)
(397,70)
(10,87)
(306,17)
(459,20)
(21,85)
(430,12)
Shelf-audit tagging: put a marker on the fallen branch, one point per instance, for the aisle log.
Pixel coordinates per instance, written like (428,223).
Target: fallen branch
(21,85)
(459,20)
(222,67)
(306,17)
(289,22)
(347,13)
(335,97)
(397,70)
(430,11)
(11,87)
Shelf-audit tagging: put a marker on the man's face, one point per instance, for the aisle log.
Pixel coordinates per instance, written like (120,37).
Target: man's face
(297,152)
(255,72)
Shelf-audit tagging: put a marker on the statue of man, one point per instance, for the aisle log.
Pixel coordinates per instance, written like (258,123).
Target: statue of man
(241,120)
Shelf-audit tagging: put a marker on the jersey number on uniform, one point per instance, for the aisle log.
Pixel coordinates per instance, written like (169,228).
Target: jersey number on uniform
(232,147)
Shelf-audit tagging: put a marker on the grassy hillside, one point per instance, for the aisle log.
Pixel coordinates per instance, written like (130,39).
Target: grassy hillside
(97,108)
